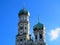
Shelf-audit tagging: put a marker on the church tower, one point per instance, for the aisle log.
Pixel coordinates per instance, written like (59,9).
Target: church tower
(39,33)
(23,27)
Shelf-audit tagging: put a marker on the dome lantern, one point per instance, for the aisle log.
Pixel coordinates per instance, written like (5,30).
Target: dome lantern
(38,26)
(23,12)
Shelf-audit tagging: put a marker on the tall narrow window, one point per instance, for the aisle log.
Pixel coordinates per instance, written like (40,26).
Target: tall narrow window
(21,28)
(40,36)
(25,28)
(35,36)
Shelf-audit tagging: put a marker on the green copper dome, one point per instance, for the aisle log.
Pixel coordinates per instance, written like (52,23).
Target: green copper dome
(38,26)
(23,12)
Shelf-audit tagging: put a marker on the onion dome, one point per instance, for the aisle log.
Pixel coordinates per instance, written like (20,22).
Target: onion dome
(38,26)
(23,12)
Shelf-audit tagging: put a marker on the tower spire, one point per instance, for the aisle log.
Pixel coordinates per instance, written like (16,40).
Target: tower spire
(38,18)
(24,4)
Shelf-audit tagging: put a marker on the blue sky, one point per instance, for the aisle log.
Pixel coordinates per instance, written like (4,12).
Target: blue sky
(48,10)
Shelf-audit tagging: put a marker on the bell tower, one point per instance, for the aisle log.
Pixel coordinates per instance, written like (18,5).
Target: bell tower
(39,33)
(23,27)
